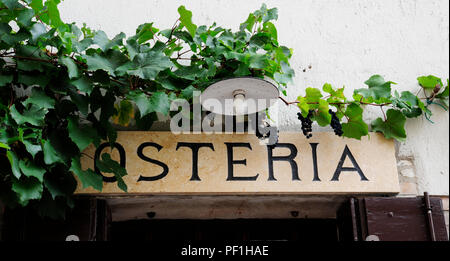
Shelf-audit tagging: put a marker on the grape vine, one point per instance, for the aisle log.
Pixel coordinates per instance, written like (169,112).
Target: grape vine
(347,120)
(63,88)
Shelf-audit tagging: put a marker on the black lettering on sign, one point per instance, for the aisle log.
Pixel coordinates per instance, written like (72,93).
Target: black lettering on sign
(195,147)
(314,157)
(231,162)
(122,161)
(339,168)
(289,158)
(141,155)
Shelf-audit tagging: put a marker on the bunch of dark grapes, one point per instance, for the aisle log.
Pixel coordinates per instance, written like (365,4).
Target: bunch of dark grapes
(306,124)
(335,123)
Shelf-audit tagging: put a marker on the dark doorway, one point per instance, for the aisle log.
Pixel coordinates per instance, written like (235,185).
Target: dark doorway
(222,229)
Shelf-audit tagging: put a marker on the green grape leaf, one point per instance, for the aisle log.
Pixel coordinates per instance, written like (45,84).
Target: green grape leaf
(13,39)
(166,33)
(409,98)
(80,46)
(146,122)
(12,4)
(60,182)
(242,70)
(249,23)
(53,13)
(110,166)
(282,53)
(50,154)
(34,115)
(72,68)
(146,32)
(37,30)
(148,65)
(107,62)
(323,117)
(124,113)
(261,39)
(83,84)
(258,61)
(4,146)
(429,82)
(393,127)
(408,103)
(183,35)
(24,17)
(287,75)
(186,20)
(335,95)
(271,14)
(81,101)
(313,96)
(87,177)
(226,38)
(14,162)
(443,96)
(142,102)
(33,78)
(5,79)
(355,127)
(101,39)
(32,148)
(160,102)
(132,47)
(5,29)
(271,30)
(378,89)
(166,83)
(27,189)
(303,105)
(29,169)
(188,92)
(37,5)
(39,99)
(81,136)
(189,72)
(328,88)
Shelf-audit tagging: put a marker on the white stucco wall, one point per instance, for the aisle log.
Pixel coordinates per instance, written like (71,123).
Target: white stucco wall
(344,42)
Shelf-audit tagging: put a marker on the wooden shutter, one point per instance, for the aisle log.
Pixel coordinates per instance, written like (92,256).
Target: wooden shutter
(391,219)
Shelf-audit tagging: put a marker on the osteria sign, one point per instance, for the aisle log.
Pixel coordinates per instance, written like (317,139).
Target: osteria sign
(166,163)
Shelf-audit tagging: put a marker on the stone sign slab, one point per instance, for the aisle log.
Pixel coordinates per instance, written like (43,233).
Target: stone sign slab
(166,163)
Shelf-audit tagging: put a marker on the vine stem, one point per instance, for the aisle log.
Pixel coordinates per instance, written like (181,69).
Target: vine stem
(343,114)
(180,54)
(51,61)
(12,97)
(119,82)
(173,29)
(431,98)
(335,103)
(27,58)
(384,115)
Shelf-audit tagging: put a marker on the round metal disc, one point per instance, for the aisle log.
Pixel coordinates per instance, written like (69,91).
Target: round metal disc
(259,95)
